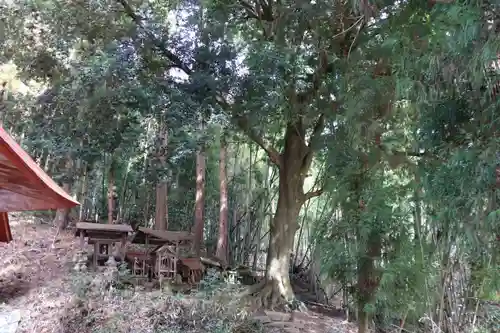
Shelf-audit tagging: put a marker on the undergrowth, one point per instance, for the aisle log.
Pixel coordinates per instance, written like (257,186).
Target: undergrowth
(107,302)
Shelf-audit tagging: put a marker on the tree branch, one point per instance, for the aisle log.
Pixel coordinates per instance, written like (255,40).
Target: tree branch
(315,135)
(271,152)
(156,41)
(261,11)
(323,68)
(242,122)
(317,130)
(312,194)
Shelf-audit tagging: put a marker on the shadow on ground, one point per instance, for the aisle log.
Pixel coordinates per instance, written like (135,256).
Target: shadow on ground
(13,284)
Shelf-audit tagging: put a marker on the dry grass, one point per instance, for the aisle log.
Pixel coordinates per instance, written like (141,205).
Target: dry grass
(36,277)
(34,274)
(103,304)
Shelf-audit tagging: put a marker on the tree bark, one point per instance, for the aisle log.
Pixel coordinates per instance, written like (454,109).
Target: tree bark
(235,236)
(368,276)
(161,211)
(282,233)
(111,192)
(146,206)
(120,215)
(248,225)
(62,215)
(294,164)
(221,251)
(199,209)
(161,206)
(368,280)
(265,203)
(82,196)
(315,275)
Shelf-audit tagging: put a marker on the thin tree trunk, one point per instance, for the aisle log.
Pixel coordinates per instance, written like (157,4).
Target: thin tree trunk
(301,232)
(3,97)
(199,209)
(368,277)
(62,215)
(221,251)
(315,274)
(111,191)
(235,238)
(123,194)
(234,230)
(368,280)
(46,165)
(83,196)
(147,206)
(250,219)
(265,202)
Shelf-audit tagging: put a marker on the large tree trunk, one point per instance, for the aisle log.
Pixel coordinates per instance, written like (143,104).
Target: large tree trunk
(161,206)
(199,209)
(293,166)
(282,233)
(161,219)
(221,251)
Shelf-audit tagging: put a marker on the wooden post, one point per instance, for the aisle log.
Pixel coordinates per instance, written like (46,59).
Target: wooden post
(158,268)
(176,258)
(150,260)
(123,249)
(82,240)
(96,253)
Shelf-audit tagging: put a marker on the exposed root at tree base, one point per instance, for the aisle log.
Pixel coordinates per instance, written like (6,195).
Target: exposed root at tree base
(268,296)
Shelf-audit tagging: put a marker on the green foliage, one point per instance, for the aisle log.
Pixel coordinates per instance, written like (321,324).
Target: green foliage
(408,155)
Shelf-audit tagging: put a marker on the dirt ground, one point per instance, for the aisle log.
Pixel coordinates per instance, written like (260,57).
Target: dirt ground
(34,272)
(36,275)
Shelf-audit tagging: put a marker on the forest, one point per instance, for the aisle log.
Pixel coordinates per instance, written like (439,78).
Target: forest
(354,141)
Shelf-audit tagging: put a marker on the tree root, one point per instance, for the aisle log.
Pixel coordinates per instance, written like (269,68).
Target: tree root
(267,295)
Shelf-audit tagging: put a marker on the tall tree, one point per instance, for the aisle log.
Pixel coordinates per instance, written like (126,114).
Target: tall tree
(199,209)
(161,212)
(302,129)
(62,215)
(222,241)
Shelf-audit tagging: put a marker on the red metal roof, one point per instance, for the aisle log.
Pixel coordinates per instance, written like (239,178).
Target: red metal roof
(24,185)
(192,263)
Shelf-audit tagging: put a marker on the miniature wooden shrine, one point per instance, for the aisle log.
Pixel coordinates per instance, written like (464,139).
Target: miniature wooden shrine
(103,237)
(167,257)
(163,259)
(192,269)
(139,260)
